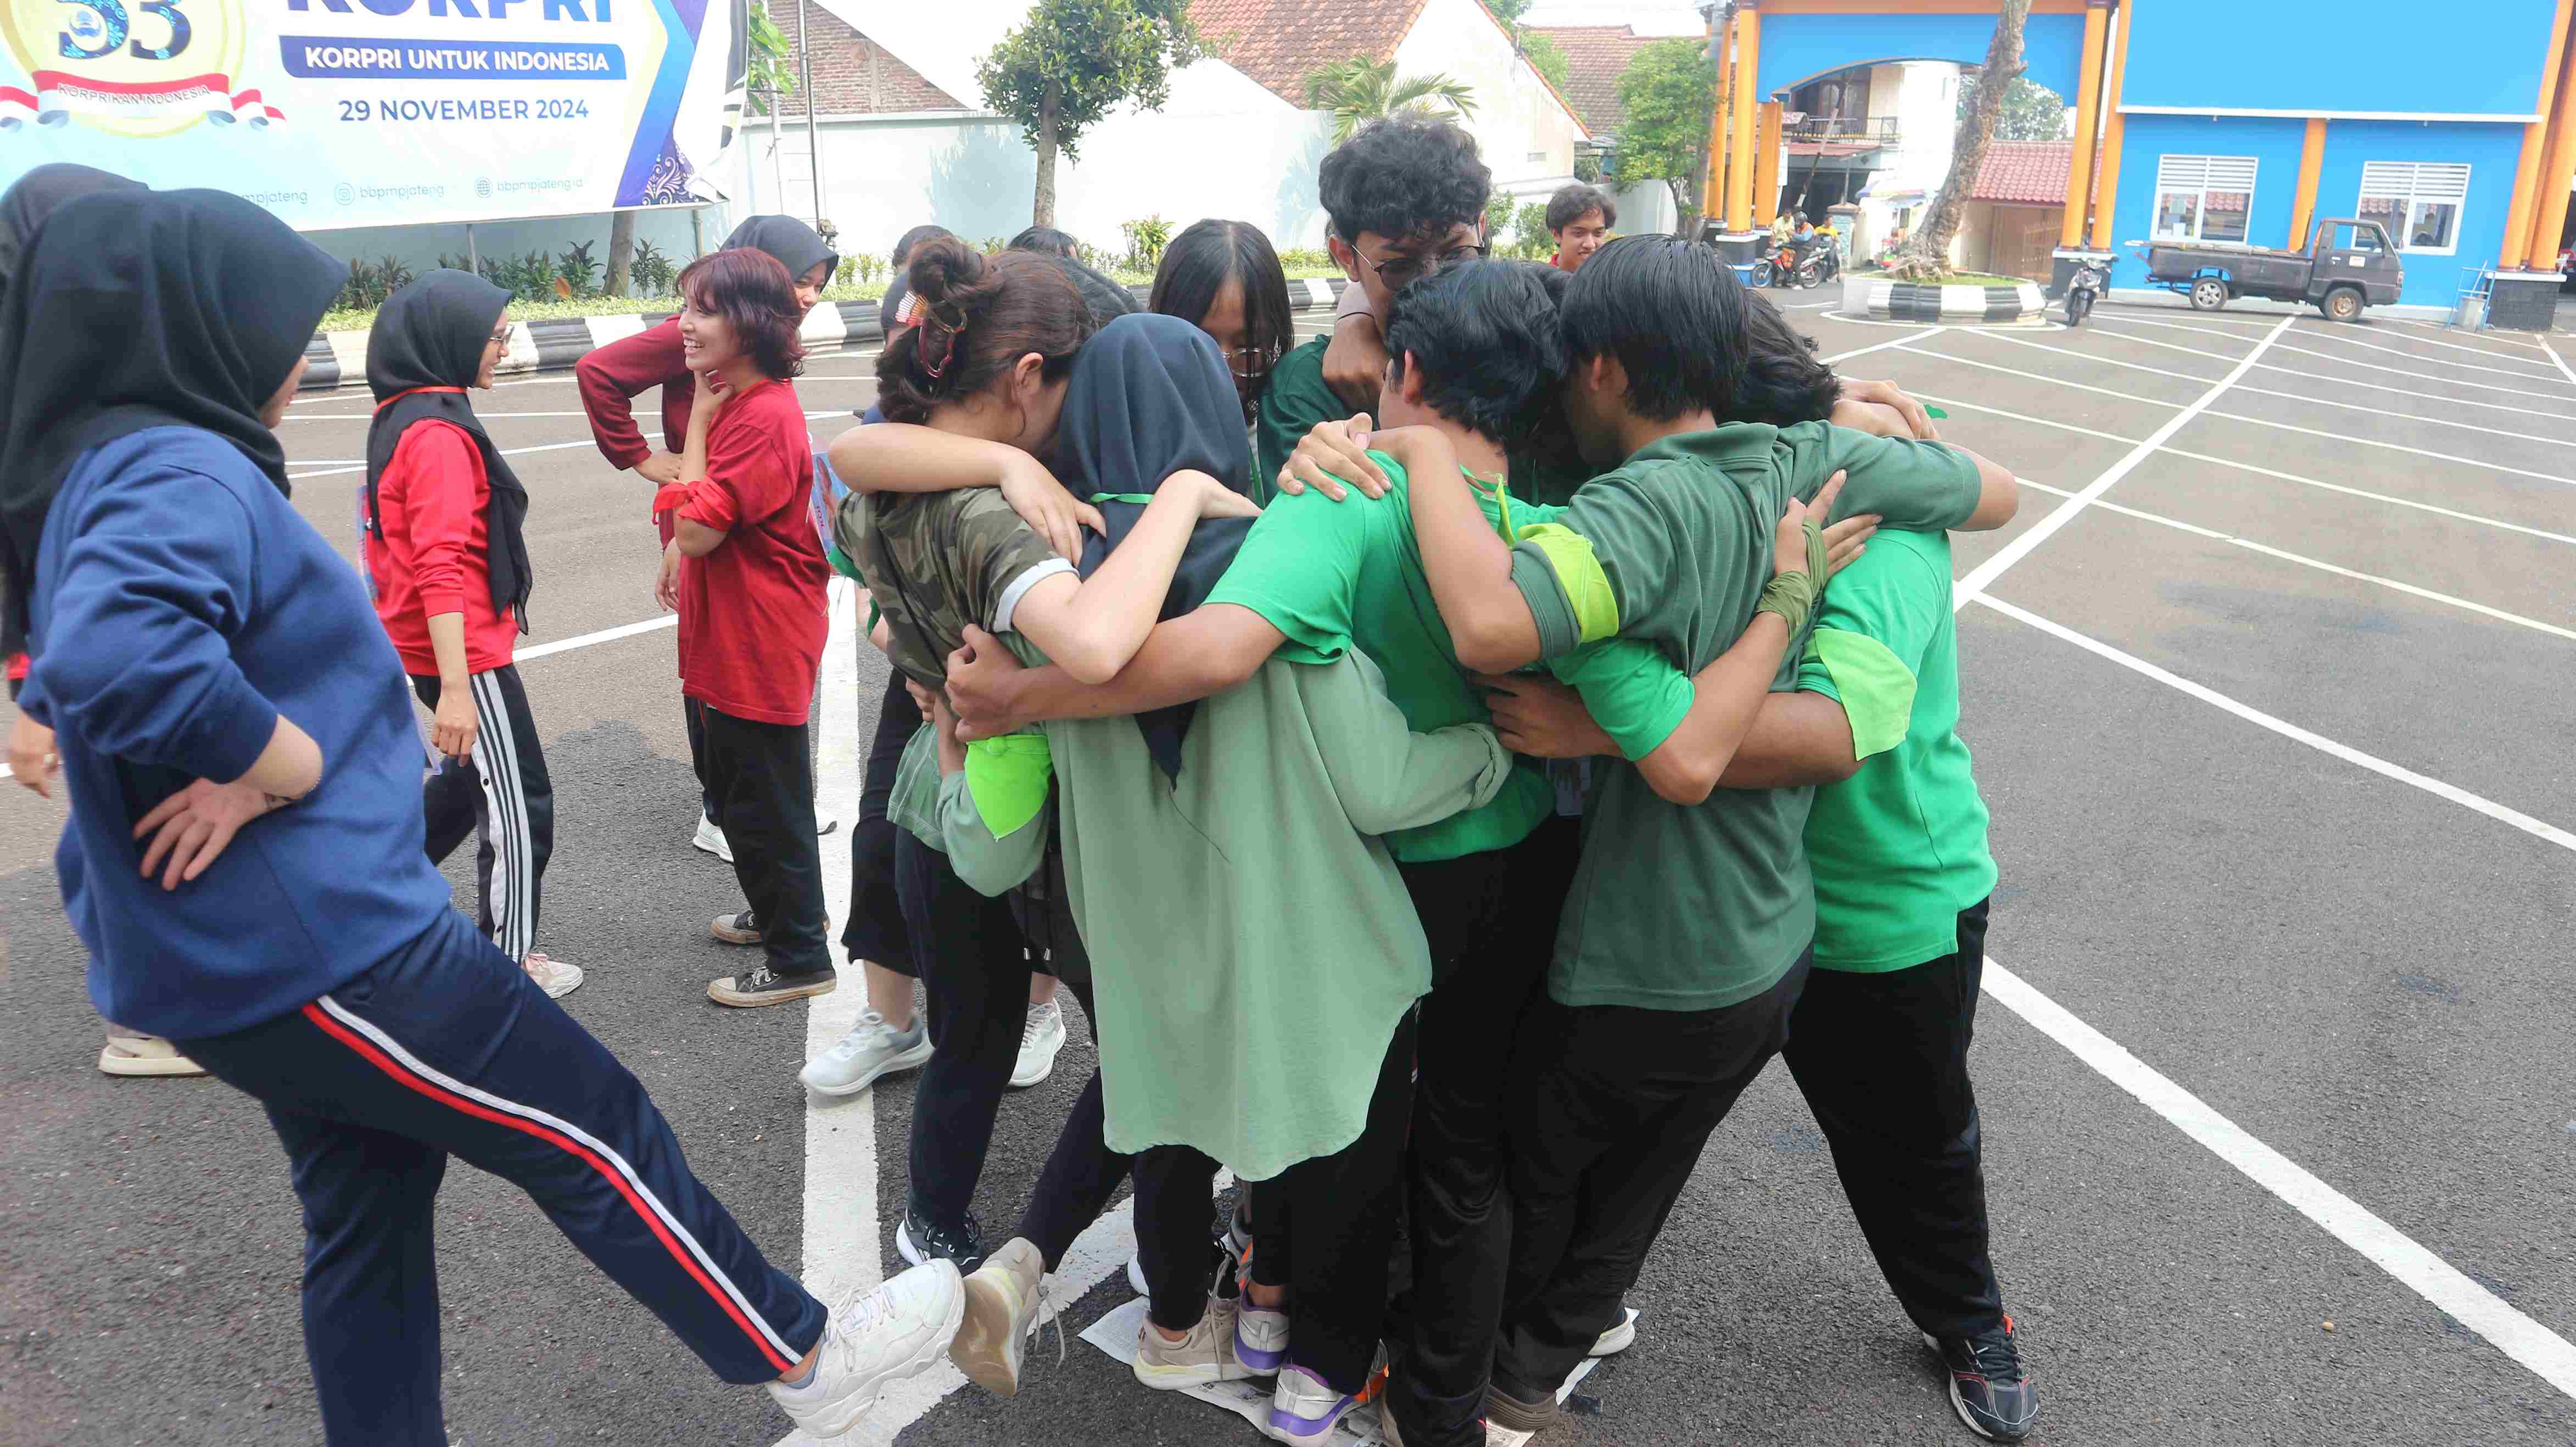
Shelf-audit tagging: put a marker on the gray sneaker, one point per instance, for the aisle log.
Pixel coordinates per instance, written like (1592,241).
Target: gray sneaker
(1205,1355)
(873,1048)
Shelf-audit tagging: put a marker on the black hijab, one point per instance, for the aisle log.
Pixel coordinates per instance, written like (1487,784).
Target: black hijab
(140,309)
(794,243)
(431,334)
(33,197)
(1150,397)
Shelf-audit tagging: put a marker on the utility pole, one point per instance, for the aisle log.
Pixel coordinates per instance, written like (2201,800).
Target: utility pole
(805,82)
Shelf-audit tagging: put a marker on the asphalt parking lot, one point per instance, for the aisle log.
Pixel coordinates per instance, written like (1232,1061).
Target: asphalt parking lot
(2268,687)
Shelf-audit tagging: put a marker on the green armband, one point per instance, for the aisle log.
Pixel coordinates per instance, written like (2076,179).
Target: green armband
(1792,596)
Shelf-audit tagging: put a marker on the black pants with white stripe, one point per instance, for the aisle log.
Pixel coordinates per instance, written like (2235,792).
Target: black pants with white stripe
(448,1049)
(504,797)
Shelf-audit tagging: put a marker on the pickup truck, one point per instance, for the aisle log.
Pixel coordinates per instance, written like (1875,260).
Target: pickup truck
(2349,264)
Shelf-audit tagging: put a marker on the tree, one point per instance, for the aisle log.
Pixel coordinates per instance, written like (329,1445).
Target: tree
(2032,112)
(1667,96)
(770,74)
(1927,253)
(1539,49)
(1360,90)
(1073,62)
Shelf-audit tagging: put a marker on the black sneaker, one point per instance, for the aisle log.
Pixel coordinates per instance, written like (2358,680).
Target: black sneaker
(1988,1387)
(917,1241)
(736,929)
(761,985)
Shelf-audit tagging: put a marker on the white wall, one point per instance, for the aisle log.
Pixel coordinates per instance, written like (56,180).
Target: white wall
(1525,135)
(1222,146)
(1645,208)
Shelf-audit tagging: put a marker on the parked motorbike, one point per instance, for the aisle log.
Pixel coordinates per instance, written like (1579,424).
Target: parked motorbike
(1783,267)
(2084,287)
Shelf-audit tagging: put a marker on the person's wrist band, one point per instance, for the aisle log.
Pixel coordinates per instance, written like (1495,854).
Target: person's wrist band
(1792,596)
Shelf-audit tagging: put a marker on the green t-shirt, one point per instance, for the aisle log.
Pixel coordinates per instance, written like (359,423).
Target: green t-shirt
(1337,576)
(1699,907)
(1899,848)
(1293,402)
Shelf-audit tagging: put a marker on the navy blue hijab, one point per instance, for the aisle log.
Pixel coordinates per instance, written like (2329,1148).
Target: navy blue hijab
(1149,397)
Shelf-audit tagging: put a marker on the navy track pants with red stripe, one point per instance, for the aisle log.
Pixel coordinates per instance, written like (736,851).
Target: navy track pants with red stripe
(449,1049)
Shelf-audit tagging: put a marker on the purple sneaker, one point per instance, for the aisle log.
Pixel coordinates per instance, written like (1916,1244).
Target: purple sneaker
(1303,1408)
(1260,1337)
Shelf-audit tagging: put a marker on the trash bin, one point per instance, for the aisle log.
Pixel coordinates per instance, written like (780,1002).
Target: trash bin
(2471,314)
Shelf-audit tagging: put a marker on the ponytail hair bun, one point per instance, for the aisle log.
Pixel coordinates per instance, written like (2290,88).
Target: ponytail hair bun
(972,318)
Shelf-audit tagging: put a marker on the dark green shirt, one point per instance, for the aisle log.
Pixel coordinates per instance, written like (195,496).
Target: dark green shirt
(1294,401)
(1699,907)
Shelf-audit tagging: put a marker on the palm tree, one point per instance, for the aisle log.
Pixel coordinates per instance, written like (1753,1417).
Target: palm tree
(1360,90)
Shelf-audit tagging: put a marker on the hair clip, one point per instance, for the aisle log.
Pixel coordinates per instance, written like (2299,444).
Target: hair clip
(935,325)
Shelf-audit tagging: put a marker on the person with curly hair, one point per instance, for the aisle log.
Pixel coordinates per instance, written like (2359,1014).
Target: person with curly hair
(745,571)
(1404,196)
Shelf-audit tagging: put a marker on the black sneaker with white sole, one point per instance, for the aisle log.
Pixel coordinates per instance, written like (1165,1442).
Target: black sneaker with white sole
(736,929)
(1988,1387)
(760,985)
(918,1240)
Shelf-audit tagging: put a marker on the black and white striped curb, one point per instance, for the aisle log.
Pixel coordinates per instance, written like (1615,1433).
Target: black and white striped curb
(2019,304)
(337,359)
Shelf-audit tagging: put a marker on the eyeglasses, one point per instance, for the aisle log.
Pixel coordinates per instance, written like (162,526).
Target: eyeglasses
(1399,272)
(1252,363)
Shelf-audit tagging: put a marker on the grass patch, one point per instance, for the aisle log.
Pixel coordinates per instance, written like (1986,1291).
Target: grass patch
(359,319)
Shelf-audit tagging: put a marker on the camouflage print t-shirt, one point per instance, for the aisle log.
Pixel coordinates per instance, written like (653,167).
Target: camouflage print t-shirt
(937,561)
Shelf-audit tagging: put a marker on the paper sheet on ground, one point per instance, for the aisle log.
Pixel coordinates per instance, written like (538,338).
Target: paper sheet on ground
(1116,1335)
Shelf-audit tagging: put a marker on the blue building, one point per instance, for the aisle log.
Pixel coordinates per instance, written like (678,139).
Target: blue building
(2234,121)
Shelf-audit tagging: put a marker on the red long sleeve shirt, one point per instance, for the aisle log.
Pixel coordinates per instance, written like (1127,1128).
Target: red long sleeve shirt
(611,377)
(752,621)
(433,556)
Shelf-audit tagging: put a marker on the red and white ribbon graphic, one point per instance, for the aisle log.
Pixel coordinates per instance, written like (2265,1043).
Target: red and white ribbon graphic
(59,96)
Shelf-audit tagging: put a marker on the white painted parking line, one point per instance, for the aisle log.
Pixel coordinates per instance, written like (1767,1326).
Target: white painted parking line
(2418,376)
(2466,517)
(2547,1354)
(604,635)
(2171,326)
(2405,416)
(2541,375)
(2025,417)
(2447,327)
(2560,363)
(2503,814)
(2399,447)
(1985,573)
(505,452)
(1923,335)
(2003,336)
(2036,377)
(840,1137)
(2268,550)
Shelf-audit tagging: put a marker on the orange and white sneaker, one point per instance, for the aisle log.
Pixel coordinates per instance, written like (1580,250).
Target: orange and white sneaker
(553,976)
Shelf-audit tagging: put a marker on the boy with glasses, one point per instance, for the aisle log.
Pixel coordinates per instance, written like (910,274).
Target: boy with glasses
(1404,197)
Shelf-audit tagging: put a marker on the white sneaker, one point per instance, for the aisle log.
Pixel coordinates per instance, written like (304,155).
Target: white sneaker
(553,976)
(712,840)
(1260,1336)
(872,1049)
(135,1055)
(1136,1276)
(1205,1355)
(1618,1338)
(873,1340)
(1303,1408)
(1041,1036)
(1003,1299)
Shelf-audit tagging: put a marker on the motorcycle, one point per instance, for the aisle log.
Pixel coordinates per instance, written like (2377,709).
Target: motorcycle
(1782,267)
(2083,287)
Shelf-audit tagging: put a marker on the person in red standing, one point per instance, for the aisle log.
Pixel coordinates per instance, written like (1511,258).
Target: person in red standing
(611,377)
(448,565)
(745,571)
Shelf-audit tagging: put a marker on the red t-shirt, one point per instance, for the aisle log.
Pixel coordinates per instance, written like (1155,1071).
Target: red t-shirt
(611,377)
(751,612)
(434,554)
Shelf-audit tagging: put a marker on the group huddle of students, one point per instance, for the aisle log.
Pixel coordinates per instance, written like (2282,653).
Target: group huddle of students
(1434,757)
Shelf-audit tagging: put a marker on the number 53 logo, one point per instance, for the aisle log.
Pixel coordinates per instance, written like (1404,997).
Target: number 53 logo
(138,68)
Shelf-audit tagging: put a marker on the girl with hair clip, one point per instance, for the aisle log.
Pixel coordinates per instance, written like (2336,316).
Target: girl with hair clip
(611,377)
(1223,278)
(984,368)
(745,571)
